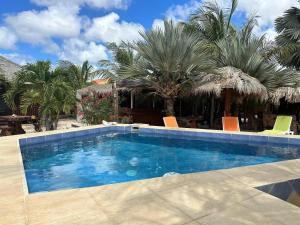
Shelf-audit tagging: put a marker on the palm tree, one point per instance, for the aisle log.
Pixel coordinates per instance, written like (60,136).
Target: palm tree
(37,85)
(122,55)
(288,39)
(244,70)
(212,23)
(77,76)
(169,61)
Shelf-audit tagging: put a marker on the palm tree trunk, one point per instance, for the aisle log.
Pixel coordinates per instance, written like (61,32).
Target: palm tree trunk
(212,111)
(48,122)
(170,106)
(228,96)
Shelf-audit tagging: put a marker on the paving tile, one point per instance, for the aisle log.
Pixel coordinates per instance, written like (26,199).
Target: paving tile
(59,206)
(192,223)
(291,166)
(13,213)
(215,178)
(110,194)
(165,183)
(150,210)
(259,175)
(86,219)
(273,208)
(197,200)
(237,215)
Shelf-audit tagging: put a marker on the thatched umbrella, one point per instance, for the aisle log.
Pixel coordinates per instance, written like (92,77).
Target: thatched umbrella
(228,80)
(290,94)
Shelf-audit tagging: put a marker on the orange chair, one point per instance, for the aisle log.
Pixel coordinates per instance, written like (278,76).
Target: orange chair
(230,123)
(170,121)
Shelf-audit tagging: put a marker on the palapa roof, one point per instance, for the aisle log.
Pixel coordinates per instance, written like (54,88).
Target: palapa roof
(290,94)
(102,88)
(230,78)
(8,68)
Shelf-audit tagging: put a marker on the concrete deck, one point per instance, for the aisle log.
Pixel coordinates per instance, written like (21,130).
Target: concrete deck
(223,197)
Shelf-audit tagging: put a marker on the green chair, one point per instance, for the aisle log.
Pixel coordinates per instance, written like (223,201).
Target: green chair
(282,126)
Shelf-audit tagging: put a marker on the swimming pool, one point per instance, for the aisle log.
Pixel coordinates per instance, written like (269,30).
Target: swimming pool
(112,157)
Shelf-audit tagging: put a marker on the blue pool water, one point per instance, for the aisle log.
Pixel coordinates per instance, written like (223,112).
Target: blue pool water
(113,158)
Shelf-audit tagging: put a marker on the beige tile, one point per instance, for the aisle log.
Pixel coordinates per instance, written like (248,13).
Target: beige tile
(216,178)
(164,183)
(55,206)
(259,175)
(149,210)
(274,208)
(111,194)
(291,166)
(13,213)
(198,200)
(87,219)
(192,223)
(237,215)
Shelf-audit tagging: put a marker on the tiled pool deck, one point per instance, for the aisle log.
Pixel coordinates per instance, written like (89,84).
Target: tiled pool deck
(223,197)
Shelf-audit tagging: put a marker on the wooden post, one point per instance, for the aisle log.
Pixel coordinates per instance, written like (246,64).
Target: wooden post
(212,111)
(228,95)
(131,99)
(116,101)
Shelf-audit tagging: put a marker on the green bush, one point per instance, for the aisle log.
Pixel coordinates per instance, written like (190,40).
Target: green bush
(96,107)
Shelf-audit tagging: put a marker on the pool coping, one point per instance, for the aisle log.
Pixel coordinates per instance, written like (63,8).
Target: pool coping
(251,176)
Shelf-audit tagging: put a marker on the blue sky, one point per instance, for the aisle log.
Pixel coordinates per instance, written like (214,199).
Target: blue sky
(77,30)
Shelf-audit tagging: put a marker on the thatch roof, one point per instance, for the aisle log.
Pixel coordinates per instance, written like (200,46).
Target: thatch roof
(132,84)
(104,88)
(231,78)
(290,94)
(8,68)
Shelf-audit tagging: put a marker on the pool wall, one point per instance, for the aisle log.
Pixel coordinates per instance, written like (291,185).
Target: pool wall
(183,132)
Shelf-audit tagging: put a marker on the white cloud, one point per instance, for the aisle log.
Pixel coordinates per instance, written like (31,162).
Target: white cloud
(158,23)
(20,59)
(268,11)
(77,51)
(7,38)
(39,27)
(182,12)
(109,29)
(105,4)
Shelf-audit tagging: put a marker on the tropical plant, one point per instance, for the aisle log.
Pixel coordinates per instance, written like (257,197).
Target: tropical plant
(96,107)
(77,76)
(239,55)
(37,85)
(169,61)
(288,39)
(212,23)
(122,55)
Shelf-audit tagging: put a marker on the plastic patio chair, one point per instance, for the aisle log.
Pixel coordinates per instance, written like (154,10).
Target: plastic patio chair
(282,126)
(170,121)
(231,123)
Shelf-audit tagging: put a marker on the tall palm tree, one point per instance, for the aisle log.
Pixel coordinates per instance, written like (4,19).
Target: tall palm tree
(239,55)
(212,23)
(288,39)
(122,55)
(169,61)
(37,85)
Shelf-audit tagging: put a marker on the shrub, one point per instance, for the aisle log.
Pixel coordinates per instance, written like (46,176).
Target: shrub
(96,107)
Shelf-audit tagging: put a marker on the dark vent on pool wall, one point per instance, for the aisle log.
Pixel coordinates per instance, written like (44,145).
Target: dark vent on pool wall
(135,128)
(288,191)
